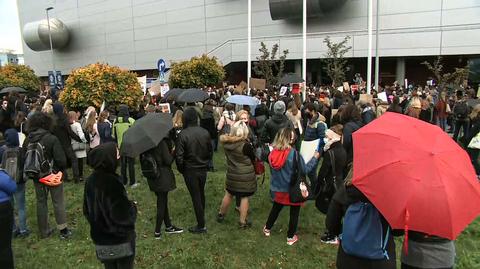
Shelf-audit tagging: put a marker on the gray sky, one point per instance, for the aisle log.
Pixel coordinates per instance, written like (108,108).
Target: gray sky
(10,37)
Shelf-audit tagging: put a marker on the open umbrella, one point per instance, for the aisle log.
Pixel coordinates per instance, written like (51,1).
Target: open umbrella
(291,78)
(416,175)
(173,93)
(12,89)
(243,100)
(145,134)
(192,96)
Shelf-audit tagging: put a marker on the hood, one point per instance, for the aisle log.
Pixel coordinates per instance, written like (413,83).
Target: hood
(58,109)
(261,110)
(279,118)
(231,142)
(36,135)
(123,112)
(104,157)
(11,138)
(190,117)
(278,158)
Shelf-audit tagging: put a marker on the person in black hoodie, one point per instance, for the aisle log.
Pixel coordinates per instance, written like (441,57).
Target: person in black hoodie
(162,185)
(208,123)
(106,206)
(352,121)
(39,126)
(275,123)
(193,152)
(62,130)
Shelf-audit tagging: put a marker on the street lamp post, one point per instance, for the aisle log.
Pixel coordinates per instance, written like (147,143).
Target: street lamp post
(50,37)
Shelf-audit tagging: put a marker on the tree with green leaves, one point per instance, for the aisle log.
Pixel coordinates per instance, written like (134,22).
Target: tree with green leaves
(334,61)
(443,79)
(270,65)
(13,75)
(197,72)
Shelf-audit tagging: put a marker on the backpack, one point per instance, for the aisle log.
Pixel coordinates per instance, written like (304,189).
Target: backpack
(363,234)
(10,160)
(226,127)
(149,165)
(460,110)
(36,164)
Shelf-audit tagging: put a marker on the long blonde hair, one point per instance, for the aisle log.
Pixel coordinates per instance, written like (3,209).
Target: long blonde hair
(239,129)
(177,119)
(475,112)
(91,119)
(284,139)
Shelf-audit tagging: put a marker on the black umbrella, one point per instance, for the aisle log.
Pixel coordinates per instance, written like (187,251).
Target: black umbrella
(291,78)
(173,93)
(12,89)
(145,134)
(192,96)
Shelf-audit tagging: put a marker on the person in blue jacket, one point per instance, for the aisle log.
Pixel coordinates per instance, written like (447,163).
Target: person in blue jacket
(7,188)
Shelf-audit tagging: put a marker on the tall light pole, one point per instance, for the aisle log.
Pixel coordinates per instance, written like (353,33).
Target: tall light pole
(304,58)
(50,38)
(249,45)
(370,45)
(377,57)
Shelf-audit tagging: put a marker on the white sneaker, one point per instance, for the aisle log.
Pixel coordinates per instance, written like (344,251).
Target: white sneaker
(133,186)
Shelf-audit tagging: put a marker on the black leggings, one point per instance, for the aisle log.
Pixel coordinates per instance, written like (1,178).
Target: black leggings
(293,222)
(162,211)
(130,162)
(6,227)
(195,181)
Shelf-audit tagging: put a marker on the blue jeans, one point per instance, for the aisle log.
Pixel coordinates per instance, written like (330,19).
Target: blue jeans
(443,124)
(18,202)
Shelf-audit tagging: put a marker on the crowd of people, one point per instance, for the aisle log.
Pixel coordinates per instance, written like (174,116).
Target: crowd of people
(270,132)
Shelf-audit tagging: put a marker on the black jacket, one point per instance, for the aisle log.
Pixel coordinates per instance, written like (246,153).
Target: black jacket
(63,132)
(106,206)
(164,158)
(342,199)
(348,129)
(193,148)
(208,123)
(53,149)
(272,126)
(325,174)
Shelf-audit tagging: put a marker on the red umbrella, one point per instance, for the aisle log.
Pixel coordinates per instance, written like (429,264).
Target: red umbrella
(415,175)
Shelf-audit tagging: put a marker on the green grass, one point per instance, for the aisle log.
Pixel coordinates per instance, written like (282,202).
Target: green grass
(225,246)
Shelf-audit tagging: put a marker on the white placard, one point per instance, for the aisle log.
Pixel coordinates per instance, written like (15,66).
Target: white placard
(308,148)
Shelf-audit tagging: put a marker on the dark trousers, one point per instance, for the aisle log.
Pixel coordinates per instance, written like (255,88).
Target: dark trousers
(195,181)
(162,211)
(58,201)
(460,124)
(80,167)
(6,228)
(130,162)
(123,263)
(404,266)
(293,222)
(70,154)
(474,154)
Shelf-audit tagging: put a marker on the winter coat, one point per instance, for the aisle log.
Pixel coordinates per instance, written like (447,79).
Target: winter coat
(106,206)
(334,225)
(368,115)
(12,141)
(53,148)
(164,158)
(193,148)
(315,129)
(120,126)
(348,129)
(208,123)
(326,173)
(77,129)
(105,132)
(441,109)
(240,171)
(7,187)
(272,127)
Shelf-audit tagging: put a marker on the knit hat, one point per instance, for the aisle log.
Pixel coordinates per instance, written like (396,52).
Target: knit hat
(279,108)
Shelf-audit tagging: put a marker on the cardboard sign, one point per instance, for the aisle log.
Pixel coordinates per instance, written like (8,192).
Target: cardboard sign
(257,83)
(164,107)
(367,98)
(346,86)
(164,89)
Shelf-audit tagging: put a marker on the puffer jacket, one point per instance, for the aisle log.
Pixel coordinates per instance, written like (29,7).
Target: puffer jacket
(272,126)
(240,170)
(315,129)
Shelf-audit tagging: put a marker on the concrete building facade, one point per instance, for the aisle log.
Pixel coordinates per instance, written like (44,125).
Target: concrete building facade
(134,34)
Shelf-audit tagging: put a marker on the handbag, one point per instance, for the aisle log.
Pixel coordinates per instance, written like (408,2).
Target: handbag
(300,187)
(107,253)
(78,146)
(475,142)
(327,191)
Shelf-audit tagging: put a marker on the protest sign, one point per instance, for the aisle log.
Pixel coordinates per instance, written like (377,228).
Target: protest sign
(257,83)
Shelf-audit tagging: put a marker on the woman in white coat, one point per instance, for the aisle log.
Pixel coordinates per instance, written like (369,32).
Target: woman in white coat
(80,148)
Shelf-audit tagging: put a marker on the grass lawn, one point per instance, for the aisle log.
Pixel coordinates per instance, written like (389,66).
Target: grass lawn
(225,246)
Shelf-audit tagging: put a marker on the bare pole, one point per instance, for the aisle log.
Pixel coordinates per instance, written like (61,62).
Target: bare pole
(370,45)
(304,58)
(50,38)
(249,40)
(377,56)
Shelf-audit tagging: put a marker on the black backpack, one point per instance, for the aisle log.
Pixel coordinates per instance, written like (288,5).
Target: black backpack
(149,165)
(10,163)
(460,110)
(36,164)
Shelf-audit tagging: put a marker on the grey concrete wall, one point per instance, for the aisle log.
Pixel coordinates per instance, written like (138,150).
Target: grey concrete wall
(134,34)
